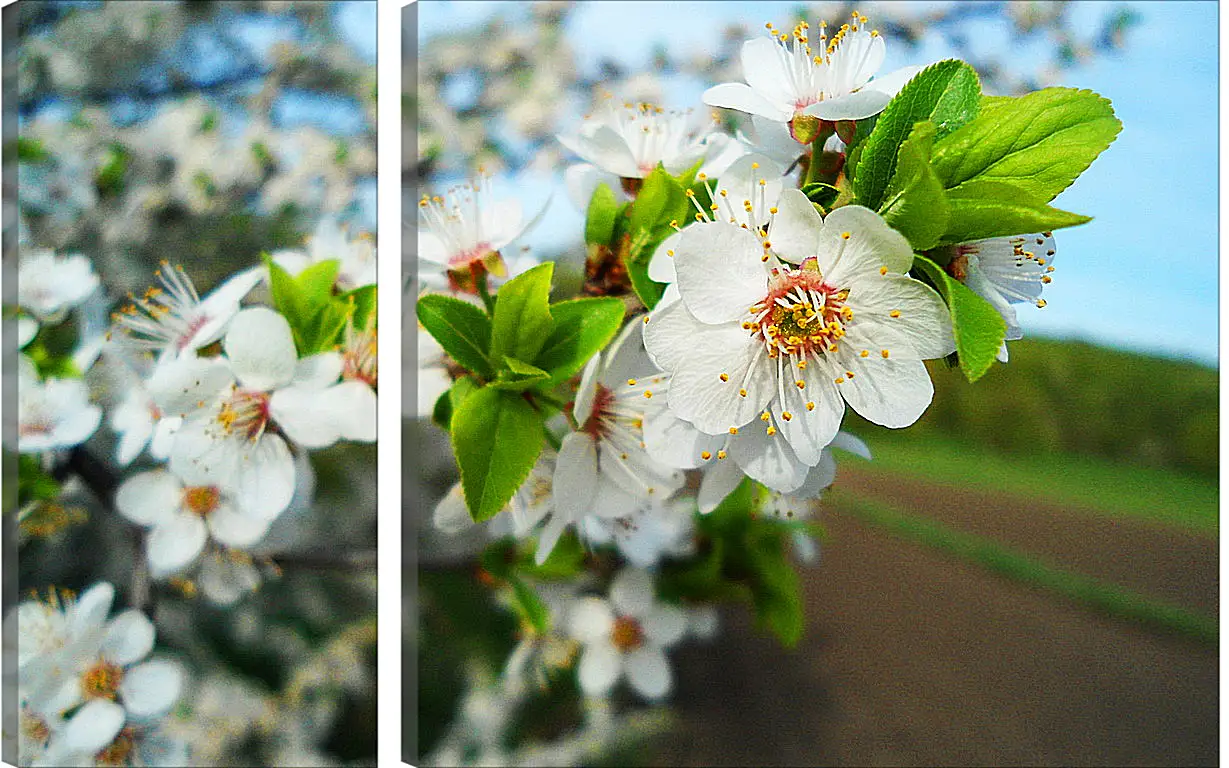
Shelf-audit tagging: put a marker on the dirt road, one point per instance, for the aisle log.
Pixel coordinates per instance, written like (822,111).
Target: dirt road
(912,658)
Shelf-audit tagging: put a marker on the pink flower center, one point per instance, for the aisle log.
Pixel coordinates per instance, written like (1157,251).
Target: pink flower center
(245,413)
(802,315)
(627,634)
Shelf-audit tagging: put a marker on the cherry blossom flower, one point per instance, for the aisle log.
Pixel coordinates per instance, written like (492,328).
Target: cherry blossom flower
(96,669)
(139,423)
(464,233)
(786,79)
(49,285)
(52,414)
(626,636)
(1006,271)
(240,410)
(182,518)
(622,144)
(785,328)
(357,257)
(603,469)
(173,321)
(648,534)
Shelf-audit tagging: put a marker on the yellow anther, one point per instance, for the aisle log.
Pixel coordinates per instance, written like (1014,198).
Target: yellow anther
(721,455)
(810,406)
(839,380)
(787,415)
(765,416)
(894,313)
(706,455)
(800,384)
(1041,303)
(846,235)
(742,393)
(885,353)
(883,270)
(647,394)
(724,377)
(733,430)
(1047,279)
(771,430)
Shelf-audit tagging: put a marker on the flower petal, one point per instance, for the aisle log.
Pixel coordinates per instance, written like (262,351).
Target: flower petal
(764,69)
(720,271)
(769,460)
(909,307)
(893,392)
(872,244)
(600,665)
(129,638)
(93,726)
(261,349)
(649,673)
(590,620)
(707,386)
(149,498)
(174,544)
(180,386)
(632,592)
(232,528)
(796,227)
(744,98)
(151,688)
(718,482)
(582,409)
(677,443)
(664,624)
(575,476)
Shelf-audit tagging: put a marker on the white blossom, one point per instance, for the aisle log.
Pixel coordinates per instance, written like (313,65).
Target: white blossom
(357,256)
(626,636)
(775,333)
(49,285)
(51,414)
(786,79)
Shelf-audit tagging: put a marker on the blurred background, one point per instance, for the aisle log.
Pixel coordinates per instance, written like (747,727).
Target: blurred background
(206,134)
(1029,575)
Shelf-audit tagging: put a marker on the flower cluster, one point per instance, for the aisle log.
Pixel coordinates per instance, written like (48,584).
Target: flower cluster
(658,443)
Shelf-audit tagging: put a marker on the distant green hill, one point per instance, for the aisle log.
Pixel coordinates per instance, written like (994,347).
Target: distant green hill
(1073,397)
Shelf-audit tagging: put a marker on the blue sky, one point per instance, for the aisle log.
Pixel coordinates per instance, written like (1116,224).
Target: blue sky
(1142,275)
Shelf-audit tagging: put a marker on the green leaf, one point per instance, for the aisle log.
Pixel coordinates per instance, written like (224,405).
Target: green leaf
(978,327)
(519,376)
(522,320)
(982,208)
(441,412)
(582,328)
(529,605)
(324,331)
(1040,142)
(316,281)
(565,560)
(366,301)
(34,484)
(284,292)
(947,94)
(600,219)
(31,150)
(821,193)
(776,592)
(914,203)
(496,438)
(463,330)
(447,403)
(661,200)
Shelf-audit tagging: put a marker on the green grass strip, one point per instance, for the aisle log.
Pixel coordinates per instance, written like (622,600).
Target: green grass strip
(1101,595)
(1095,484)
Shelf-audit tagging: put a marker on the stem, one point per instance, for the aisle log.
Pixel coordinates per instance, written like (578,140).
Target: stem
(483,291)
(826,129)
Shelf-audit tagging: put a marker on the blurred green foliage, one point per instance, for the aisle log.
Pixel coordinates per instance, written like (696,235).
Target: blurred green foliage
(1077,398)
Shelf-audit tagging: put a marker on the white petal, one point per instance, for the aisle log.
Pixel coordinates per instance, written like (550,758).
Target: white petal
(661,266)
(583,179)
(293,262)
(600,664)
(853,444)
(668,334)
(796,227)
(922,318)
(587,391)
(266,481)
(232,528)
(174,544)
(872,244)
(677,443)
(225,581)
(93,726)
(894,392)
(221,306)
(744,98)
(852,106)
(720,271)
(319,370)
(550,537)
(149,498)
(451,513)
(664,624)
(91,609)
(353,407)
(605,148)
(892,82)
(575,477)
(129,638)
(261,349)
(764,69)
(151,688)
(305,417)
(706,386)
(590,620)
(718,482)
(769,460)
(180,386)
(632,592)
(808,429)
(648,671)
